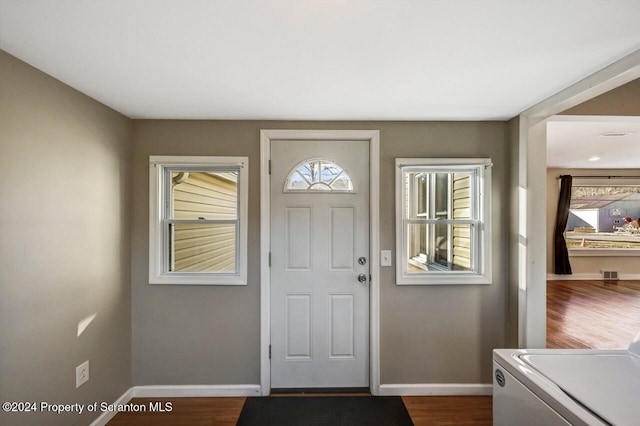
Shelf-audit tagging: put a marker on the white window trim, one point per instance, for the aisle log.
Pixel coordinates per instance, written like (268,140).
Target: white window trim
(157,275)
(483,248)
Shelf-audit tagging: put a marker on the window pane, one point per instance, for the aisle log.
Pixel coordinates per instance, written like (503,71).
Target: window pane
(309,171)
(604,216)
(297,182)
(416,194)
(439,247)
(462,196)
(204,195)
(202,247)
(421,196)
(441,196)
(330,171)
(461,247)
(318,176)
(418,250)
(342,183)
(437,195)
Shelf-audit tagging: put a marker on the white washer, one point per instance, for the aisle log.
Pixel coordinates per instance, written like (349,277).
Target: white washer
(566,387)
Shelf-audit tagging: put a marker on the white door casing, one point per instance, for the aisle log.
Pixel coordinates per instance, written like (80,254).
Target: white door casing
(319,309)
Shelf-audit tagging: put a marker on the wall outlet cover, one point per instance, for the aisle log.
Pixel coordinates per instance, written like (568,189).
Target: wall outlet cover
(82,374)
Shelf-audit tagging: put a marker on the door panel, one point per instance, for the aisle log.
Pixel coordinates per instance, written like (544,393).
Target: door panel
(298,234)
(342,231)
(319,309)
(342,316)
(298,326)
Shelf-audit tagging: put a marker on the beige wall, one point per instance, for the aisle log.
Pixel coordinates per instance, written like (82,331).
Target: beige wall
(586,264)
(622,100)
(65,245)
(211,334)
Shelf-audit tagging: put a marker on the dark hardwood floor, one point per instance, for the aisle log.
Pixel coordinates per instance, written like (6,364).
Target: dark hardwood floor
(592,314)
(424,411)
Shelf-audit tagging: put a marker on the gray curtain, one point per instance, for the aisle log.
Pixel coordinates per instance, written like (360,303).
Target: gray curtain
(560,252)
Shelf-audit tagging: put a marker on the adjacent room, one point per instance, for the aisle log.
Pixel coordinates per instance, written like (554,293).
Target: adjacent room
(218,212)
(597,143)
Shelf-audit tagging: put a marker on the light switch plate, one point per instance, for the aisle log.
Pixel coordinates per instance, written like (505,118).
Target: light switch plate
(385,257)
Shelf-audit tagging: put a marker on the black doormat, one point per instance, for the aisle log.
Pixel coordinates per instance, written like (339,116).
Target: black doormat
(322,410)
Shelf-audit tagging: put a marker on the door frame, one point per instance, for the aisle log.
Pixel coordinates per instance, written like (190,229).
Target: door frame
(373,138)
(531,177)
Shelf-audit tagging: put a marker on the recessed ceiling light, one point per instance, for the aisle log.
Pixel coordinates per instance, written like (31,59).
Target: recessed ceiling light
(594,158)
(616,134)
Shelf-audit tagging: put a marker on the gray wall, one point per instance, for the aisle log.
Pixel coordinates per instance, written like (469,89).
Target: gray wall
(65,245)
(211,334)
(622,100)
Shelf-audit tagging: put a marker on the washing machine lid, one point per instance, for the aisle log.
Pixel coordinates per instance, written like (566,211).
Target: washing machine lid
(607,384)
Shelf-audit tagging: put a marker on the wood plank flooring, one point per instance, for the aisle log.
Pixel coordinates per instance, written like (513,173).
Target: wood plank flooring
(424,411)
(592,314)
(222,411)
(449,410)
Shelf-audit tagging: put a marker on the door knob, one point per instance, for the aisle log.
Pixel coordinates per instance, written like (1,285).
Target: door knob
(362,278)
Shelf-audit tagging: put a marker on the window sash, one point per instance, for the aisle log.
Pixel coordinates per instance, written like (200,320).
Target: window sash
(167,248)
(168,193)
(432,248)
(167,219)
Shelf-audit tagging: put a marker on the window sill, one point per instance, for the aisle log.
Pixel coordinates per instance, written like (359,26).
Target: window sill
(611,252)
(197,280)
(447,278)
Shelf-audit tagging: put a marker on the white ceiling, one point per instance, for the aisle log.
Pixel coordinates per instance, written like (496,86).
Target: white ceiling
(572,140)
(320,59)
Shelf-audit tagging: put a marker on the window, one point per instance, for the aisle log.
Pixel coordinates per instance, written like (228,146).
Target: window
(603,217)
(198,220)
(442,221)
(318,176)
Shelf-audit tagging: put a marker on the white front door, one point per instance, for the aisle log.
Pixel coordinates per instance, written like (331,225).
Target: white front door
(319,249)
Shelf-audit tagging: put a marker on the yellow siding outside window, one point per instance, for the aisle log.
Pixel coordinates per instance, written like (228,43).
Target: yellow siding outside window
(207,247)
(461,210)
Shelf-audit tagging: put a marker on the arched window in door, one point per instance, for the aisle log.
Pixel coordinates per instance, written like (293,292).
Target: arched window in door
(318,175)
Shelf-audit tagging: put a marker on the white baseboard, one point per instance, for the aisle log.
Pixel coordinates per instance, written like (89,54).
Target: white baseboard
(585,277)
(178,391)
(575,277)
(439,389)
(104,418)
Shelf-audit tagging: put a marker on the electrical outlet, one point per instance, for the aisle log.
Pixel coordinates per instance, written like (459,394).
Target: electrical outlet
(82,374)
